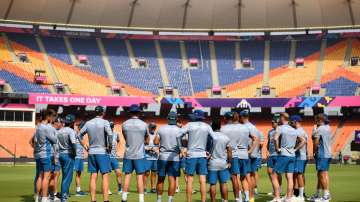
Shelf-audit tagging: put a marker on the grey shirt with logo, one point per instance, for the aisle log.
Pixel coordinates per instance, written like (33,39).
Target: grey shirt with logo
(301,154)
(288,136)
(170,142)
(66,140)
(239,135)
(44,140)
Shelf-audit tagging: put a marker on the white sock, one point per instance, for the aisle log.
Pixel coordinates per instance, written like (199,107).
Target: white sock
(124,196)
(37,197)
(44,199)
(326,192)
(159,198)
(78,189)
(141,197)
(301,191)
(170,199)
(247,196)
(240,196)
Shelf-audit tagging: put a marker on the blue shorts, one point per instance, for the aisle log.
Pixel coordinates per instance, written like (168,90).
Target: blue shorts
(55,167)
(151,165)
(255,164)
(285,164)
(222,175)
(79,165)
(114,163)
(300,166)
(183,163)
(139,165)
(244,167)
(99,162)
(322,164)
(170,168)
(235,167)
(43,165)
(271,162)
(196,164)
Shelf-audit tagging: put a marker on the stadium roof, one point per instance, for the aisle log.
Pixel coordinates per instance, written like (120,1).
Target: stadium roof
(198,15)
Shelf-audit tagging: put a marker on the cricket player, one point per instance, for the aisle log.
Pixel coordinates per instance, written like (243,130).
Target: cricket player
(135,134)
(100,137)
(45,138)
(114,158)
(272,153)
(196,162)
(79,163)
(67,151)
(300,159)
(322,153)
(286,159)
(169,158)
(220,159)
(151,156)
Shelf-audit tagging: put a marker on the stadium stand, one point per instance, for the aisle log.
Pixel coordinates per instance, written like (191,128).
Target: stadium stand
(55,47)
(178,76)
(279,53)
(340,87)
(21,85)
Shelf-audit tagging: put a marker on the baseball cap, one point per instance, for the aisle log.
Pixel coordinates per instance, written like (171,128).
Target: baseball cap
(228,115)
(134,108)
(70,118)
(172,117)
(276,118)
(295,118)
(245,112)
(99,109)
(199,114)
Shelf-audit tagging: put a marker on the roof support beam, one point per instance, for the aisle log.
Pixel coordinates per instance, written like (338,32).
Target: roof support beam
(7,13)
(351,13)
(186,6)
(131,15)
(239,6)
(71,11)
(294,15)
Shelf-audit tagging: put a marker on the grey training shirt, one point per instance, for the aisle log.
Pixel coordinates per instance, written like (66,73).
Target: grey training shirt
(288,137)
(170,142)
(114,143)
(198,133)
(66,139)
(98,130)
(45,138)
(302,153)
(151,155)
(134,131)
(324,133)
(218,159)
(271,143)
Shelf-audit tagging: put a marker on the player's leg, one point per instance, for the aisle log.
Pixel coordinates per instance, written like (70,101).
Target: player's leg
(153,181)
(235,171)
(212,192)
(145,177)
(127,169)
(276,185)
(119,180)
(202,180)
(56,181)
(296,185)
(160,187)
(44,185)
(105,186)
(224,177)
(140,169)
(189,187)
(301,184)
(224,192)
(290,185)
(201,169)
(92,186)
(67,175)
(172,187)
(252,184)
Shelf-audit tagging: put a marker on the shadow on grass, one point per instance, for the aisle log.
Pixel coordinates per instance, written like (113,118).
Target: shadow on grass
(27,198)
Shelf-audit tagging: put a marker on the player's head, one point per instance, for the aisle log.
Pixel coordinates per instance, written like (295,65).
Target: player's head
(152,127)
(320,119)
(58,123)
(275,120)
(179,123)
(295,121)
(112,125)
(284,118)
(172,118)
(99,111)
(228,116)
(235,117)
(199,115)
(244,115)
(69,120)
(216,124)
(48,115)
(134,110)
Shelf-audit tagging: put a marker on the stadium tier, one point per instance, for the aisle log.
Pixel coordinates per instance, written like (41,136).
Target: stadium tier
(135,64)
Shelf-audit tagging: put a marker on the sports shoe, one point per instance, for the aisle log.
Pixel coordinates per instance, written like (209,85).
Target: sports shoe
(56,199)
(119,190)
(194,192)
(177,190)
(300,199)
(80,193)
(153,191)
(145,191)
(275,200)
(314,197)
(325,198)
(109,192)
(270,194)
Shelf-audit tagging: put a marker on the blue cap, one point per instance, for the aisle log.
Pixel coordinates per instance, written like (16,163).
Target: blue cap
(58,119)
(99,109)
(70,118)
(134,108)
(199,114)
(172,117)
(295,118)
(245,112)
(228,115)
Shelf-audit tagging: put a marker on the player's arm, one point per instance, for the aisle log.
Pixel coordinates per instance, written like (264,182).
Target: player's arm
(73,142)
(254,144)
(80,137)
(276,141)
(32,141)
(229,154)
(109,135)
(300,144)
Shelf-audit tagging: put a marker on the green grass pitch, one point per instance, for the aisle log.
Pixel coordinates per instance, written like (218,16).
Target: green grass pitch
(16,184)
